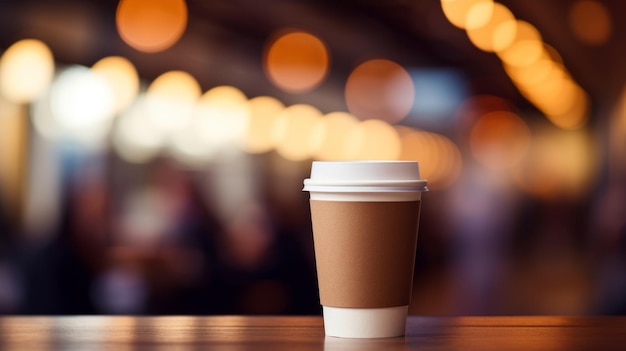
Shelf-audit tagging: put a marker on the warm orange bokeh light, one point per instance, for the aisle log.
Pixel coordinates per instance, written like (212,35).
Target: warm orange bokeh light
(590,22)
(329,135)
(151,25)
(224,113)
(457,11)
(500,140)
(617,139)
(122,76)
(535,74)
(525,48)
(497,33)
(380,89)
(135,138)
(420,146)
(439,158)
(171,98)
(296,62)
(560,164)
(478,15)
(449,166)
(476,106)
(572,112)
(292,131)
(470,111)
(264,111)
(26,70)
(372,140)
(13,153)
(549,86)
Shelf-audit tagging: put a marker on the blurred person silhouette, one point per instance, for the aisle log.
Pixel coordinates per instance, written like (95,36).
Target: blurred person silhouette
(59,269)
(482,207)
(265,270)
(263,262)
(162,252)
(146,240)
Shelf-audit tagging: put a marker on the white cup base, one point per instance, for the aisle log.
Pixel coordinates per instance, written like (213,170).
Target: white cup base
(365,322)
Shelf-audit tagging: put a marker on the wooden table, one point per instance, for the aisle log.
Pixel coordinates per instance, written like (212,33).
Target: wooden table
(122,333)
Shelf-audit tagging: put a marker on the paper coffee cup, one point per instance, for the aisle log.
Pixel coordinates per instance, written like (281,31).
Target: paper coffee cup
(365,218)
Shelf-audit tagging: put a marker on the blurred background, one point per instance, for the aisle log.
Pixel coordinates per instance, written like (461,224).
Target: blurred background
(152,152)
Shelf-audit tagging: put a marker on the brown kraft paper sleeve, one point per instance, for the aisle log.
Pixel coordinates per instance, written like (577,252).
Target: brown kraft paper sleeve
(365,252)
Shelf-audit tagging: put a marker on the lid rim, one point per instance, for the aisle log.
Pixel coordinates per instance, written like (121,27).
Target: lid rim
(324,182)
(363,189)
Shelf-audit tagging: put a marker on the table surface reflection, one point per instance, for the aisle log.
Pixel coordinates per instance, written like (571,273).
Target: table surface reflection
(307,333)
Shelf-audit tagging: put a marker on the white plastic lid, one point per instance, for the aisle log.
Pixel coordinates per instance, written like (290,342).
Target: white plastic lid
(369,176)
(365,170)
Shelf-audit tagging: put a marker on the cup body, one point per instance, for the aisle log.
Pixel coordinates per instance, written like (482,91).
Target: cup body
(365,222)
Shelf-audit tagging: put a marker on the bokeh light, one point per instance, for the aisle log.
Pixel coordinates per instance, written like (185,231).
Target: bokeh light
(122,76)
(470,111)
(372,140)
(264,111)
(535,74)
(535,68)
(457,11)
(550,87)
(135,137)
(82,104)
(449,165)
(191,146)
(219,121)
(26,70)
(455,164)
(13,153)
(380,89)
(43,120)
(617,138)
(478,15)
(525,48)
(328,135)
(500,140)
(292,131)
(418,146)
(225,113)
(537,71)
(497,33)
(559,94)
(478,105)
(440,159)
(296,62)
(151,25)
(438,93)
(572,113)
(171,99)
(590,22)
(553,54)
(560,164)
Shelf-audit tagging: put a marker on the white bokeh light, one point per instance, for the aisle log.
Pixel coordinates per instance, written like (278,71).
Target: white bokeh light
(82,102)
(122,76)
(79,107)
(135,138)
(219,122)
(170,99)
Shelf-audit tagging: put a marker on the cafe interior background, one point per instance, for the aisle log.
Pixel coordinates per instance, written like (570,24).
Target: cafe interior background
(152,152)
